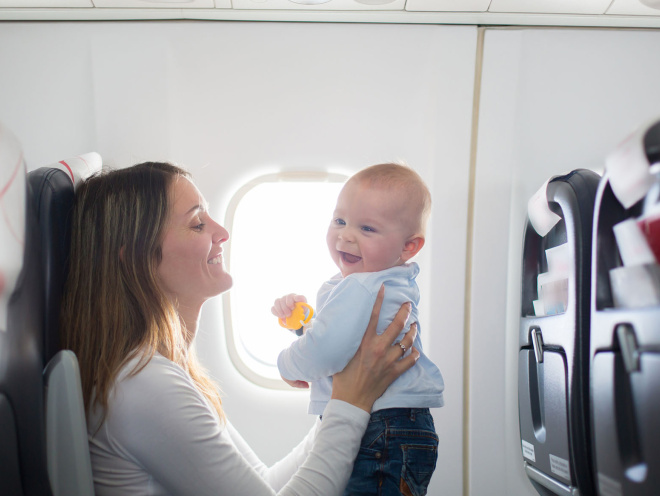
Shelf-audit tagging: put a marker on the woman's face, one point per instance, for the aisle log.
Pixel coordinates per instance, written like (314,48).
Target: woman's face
(191,270)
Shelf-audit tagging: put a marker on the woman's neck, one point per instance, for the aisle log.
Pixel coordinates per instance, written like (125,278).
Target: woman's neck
(189,317)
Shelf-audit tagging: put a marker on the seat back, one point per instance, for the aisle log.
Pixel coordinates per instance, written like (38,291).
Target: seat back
(67,449)
(22,449)
(69,466)
(553,379)
(34,240)
(625,323)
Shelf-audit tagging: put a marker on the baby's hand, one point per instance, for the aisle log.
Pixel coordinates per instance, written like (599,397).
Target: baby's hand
(285,305)
(296,384)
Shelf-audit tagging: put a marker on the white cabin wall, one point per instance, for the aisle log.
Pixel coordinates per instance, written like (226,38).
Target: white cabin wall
(235,100)
(552,100)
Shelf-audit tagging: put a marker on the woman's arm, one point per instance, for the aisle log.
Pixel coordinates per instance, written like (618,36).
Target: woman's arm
(162,429)
(160,423)
(278,474)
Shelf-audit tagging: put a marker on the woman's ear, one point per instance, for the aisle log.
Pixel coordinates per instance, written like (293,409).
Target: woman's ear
(412,247)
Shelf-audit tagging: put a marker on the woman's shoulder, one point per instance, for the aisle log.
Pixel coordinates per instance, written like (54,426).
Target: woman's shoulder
(141,369)
(159,393)
(155,385)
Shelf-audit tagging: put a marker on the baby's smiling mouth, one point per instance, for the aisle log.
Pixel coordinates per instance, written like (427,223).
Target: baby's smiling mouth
(348,258)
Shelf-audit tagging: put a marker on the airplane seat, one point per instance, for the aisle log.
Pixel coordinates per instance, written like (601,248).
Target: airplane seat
(31,278)
(625,319)
(553,370)
(67,450)
(52,195)
(22,434)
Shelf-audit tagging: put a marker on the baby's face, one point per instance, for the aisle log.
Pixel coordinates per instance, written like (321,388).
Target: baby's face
(369,229)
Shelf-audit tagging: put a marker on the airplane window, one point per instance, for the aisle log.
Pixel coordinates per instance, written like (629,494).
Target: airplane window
(277,226)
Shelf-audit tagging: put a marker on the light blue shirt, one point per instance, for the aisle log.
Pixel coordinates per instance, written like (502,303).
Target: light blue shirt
(343,308)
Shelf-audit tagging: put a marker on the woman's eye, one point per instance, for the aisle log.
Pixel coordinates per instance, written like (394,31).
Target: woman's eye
(199,227)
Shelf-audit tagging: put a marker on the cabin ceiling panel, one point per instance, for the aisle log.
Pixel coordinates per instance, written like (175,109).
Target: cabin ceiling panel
(164,4)
(320,4)
(46,3)
(562,13)
(550,6)
(447,5)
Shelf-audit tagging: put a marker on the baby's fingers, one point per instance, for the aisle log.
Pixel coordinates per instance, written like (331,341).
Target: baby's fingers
(292,299)
(283,306)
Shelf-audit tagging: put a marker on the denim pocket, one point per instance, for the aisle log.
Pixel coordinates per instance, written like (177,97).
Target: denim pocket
(398,454)
(418,465)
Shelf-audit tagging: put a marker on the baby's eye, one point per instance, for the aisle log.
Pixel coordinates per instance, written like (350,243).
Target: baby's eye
(368,229)
(340,222)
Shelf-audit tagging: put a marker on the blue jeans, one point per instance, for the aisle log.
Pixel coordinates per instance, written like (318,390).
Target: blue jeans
(397,455)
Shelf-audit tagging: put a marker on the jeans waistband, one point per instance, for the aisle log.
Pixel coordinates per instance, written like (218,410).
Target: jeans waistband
(398,412)
(395,412)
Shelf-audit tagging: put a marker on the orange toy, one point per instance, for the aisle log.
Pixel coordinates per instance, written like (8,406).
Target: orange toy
(301,315)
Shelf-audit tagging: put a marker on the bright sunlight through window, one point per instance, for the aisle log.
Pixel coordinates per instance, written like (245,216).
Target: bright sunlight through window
(277,226)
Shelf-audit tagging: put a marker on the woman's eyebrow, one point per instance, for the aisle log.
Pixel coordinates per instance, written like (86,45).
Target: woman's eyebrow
(194,208)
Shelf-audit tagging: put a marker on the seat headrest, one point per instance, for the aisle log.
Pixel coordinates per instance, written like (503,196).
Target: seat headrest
(79,168)
(13,211)
(628,166)
(52,192)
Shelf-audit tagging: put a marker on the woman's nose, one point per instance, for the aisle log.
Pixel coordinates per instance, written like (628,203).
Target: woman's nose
(220,234)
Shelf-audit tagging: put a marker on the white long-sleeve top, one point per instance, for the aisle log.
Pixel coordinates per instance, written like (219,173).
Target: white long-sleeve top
(343,311)
(162,437)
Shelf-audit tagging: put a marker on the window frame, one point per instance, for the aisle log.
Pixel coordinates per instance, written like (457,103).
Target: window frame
(231,340)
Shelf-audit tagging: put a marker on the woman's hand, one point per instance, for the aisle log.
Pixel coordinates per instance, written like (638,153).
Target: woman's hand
(378,361)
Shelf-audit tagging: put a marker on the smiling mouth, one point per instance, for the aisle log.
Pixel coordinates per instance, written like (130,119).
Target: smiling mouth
(348,258)
(215,260)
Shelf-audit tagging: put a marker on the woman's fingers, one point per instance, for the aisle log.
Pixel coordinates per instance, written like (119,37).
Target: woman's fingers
(403,359)
(399,322)
(375,312)
(377,362)
(408,339)
(405,363)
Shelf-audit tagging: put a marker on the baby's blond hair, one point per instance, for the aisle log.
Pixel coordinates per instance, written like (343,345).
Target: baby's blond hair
(405,180)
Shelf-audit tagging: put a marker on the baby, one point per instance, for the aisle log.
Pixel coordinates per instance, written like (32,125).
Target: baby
(378,225)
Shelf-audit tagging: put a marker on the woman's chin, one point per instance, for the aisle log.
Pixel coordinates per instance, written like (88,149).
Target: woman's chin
(226,283)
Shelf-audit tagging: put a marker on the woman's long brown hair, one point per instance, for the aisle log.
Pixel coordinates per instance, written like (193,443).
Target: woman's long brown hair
(113,308)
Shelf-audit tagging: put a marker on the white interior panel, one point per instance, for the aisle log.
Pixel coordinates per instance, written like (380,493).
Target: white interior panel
(327,5)
(447,5)
(550,6)
(46,3)
(552,101)
(155,4)
(635,7)
(232,101)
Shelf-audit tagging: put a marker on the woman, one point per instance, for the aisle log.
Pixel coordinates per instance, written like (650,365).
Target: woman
(145,256)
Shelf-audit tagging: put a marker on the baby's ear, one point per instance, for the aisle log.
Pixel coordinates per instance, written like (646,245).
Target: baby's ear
(412,247)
